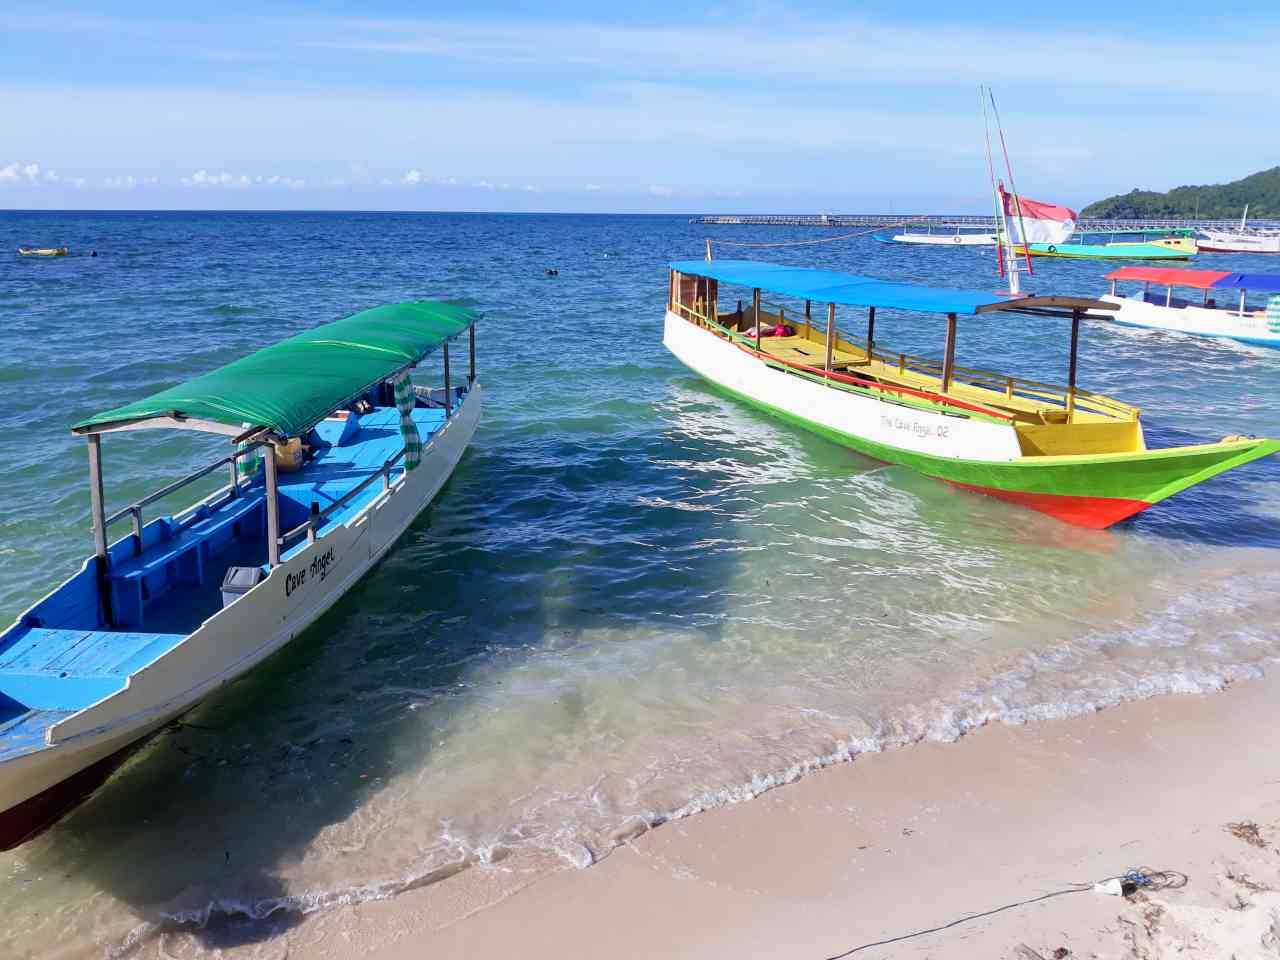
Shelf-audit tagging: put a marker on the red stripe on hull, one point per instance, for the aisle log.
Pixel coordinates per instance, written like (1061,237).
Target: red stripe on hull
(1096,513)
(37,814)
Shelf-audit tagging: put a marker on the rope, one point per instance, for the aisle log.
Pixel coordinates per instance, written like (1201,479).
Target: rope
(802,243)
(1132,880)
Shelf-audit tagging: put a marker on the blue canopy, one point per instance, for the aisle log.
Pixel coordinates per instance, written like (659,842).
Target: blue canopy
(1266,282)
(850,289)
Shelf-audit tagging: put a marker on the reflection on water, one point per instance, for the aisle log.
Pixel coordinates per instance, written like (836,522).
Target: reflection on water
(636,598)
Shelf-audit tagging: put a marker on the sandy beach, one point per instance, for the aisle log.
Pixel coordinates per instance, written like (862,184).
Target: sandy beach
(907,840)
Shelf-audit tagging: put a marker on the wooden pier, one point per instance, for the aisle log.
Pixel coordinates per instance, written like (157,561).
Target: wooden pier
(870,220)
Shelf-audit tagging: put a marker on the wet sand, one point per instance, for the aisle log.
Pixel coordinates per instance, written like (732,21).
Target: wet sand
(905,840)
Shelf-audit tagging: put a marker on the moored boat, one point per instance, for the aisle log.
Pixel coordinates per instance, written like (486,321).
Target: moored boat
(1233,318)
(1163,248)
(1244,239)
(336,451)
(44,251)
(1076,455)
(960,236)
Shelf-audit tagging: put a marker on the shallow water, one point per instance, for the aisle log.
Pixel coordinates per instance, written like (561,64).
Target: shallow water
(636,599)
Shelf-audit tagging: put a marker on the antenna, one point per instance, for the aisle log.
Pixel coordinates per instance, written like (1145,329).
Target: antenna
(1002,228)
(1017,197)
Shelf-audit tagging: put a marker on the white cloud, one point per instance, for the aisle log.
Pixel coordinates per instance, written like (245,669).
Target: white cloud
(658,191)
(939,54)
(26,174)
(591,187)
(412,178)
(203,178)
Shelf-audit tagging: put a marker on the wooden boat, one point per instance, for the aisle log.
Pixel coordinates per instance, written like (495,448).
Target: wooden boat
(1233,318)
(182,605)
(44,251)
(1163,248)
(962,236)
(1244,239)
(1073,454)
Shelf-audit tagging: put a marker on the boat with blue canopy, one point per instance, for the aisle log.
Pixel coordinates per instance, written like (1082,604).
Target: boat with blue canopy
(335,450)
(1073,454)
(1222,310)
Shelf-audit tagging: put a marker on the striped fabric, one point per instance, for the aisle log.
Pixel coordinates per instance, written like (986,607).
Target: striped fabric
(248,463)
(1273,314)
(408,429)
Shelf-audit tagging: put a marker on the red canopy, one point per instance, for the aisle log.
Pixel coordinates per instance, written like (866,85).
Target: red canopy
(1170,276)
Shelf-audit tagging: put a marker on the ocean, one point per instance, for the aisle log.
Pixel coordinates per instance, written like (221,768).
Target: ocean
(636,599)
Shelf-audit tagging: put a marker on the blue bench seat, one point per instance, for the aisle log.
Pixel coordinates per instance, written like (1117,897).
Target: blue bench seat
(181,557)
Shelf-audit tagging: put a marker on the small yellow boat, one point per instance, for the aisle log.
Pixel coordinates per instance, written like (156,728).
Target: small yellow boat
(44,251)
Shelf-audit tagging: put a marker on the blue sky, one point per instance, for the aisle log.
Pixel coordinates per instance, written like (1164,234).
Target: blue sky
(666,108)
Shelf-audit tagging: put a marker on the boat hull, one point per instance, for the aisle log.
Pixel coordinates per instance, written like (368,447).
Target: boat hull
(1217,242)
(948,240)
(227,645)
(1092,491)
(1109,251)
(1252,327)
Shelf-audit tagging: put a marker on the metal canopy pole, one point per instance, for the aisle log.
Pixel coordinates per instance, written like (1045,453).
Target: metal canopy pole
(831,333)
(871,332)
(949,360)
(273,509)
(96,509)
(472,375)
(448,390)
(755,314)
(1071,368)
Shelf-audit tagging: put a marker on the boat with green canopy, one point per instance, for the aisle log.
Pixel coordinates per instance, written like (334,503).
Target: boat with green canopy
(335,450)
(1076,455)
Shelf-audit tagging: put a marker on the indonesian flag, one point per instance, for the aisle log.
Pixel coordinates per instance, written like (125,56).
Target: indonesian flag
(1031,221)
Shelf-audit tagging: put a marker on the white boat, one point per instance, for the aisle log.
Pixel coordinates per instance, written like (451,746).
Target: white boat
(961,237)
(350,453)
(1246,239)
(44,251)
(1221,310)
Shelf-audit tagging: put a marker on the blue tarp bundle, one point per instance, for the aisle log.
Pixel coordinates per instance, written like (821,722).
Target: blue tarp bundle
(848,289)
(1262,282)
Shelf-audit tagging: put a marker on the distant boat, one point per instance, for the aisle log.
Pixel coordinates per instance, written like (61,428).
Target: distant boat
(157,621)
(1246,239)
(963,236)
(44,251)
(1164,248)
(1232,319)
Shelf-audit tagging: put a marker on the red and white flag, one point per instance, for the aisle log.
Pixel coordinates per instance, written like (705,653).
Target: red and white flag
(1031,221)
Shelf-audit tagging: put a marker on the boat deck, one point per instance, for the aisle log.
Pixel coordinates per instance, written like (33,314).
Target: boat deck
(60,658)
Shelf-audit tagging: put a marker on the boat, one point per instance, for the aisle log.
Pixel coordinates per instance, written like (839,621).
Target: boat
(1167,248)
(44,251)
(1073,454)
(1245,239)
(1232,318)
(961,236)
(335,452)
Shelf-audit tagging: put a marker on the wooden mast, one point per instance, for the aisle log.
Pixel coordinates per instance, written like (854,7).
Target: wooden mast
(1071,367)
(949,359)
(831,333)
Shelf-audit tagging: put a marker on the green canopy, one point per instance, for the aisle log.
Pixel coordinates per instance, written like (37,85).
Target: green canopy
(290,386)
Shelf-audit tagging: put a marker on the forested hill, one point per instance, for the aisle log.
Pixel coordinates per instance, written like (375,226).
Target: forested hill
(1261,191)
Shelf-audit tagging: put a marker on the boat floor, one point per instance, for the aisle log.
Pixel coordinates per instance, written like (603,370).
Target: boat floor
(800,349)
(50,670)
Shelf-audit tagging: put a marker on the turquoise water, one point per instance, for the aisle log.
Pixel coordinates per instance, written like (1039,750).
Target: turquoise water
(636,598)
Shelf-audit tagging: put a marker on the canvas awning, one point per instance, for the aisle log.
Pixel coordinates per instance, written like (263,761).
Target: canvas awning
(292,385)
(851,289)
(1200,279)
(1170,276)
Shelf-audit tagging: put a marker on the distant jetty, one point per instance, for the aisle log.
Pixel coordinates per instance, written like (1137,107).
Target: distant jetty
(951,220)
